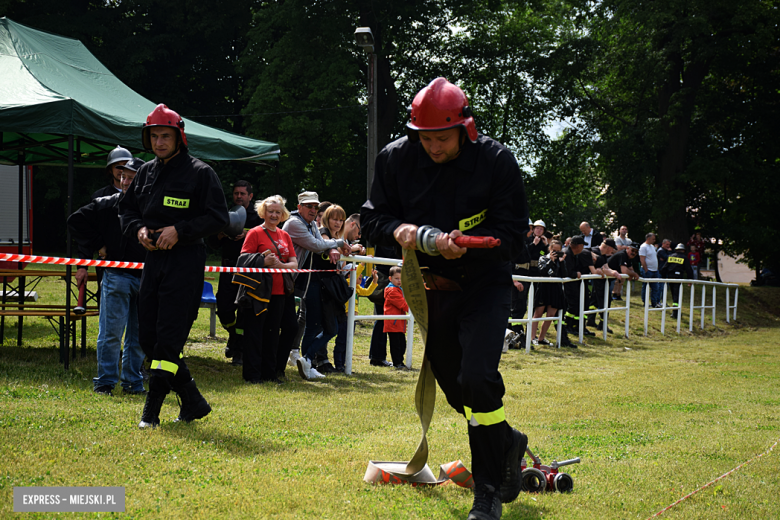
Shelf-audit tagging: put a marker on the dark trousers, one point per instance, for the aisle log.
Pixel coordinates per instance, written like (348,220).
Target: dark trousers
(168,301)
(261,340)
(572,292)
(519,303)
(397,347)
(465,339)
(597,297)
(674,288)
(378,349)
(340,348)
(288,332)
(226,300)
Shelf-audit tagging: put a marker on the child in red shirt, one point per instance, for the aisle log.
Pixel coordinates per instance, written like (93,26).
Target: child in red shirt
(395,305)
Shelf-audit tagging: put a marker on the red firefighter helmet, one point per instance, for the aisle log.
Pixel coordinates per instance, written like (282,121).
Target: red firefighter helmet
(441,106)
(162,116)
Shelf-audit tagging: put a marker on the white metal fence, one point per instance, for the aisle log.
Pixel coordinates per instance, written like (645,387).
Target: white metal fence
(731,309)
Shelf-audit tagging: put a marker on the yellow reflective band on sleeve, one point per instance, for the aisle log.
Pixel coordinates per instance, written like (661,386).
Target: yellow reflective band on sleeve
(228,325)
(181,355)
(473,221)
(676,260)
(176,203)
(486,418)
(570,315)
(165,365)
(240,332)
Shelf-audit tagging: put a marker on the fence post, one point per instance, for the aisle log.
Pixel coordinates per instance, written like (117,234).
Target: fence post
(647,304)
(628,303)
(736,295)
(728,310)
(409,339)
(680,306)
(703,304)
(607,301)
(663,313)
(582,311)
(693,302)
(713,304)
(350,323)
(560,326)
(530,319)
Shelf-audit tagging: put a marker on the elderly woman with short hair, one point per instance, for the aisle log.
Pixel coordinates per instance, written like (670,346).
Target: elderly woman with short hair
(261,332)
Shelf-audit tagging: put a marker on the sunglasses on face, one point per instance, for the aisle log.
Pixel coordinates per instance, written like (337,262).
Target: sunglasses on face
(310,206)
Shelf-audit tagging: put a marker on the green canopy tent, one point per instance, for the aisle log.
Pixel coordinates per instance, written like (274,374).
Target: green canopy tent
(60,106)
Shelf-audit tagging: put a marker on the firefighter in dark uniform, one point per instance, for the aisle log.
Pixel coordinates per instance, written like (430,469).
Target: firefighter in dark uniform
(677,267)
(446,175)
(173,203)
(230,248)
(600,256)
(521,266)
(576,267)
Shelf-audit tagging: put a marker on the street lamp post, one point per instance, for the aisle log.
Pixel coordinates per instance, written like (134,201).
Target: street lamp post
(365,39)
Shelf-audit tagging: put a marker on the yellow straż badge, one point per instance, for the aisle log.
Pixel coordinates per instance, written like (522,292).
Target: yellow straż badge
(470,222)
(176,203)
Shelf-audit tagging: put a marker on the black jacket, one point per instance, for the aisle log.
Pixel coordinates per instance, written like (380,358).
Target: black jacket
(254,291)
(479,192)
(97,224)
(677,267)
(184,193)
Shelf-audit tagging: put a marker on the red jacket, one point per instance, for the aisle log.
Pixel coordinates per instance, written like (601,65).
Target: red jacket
(395,305)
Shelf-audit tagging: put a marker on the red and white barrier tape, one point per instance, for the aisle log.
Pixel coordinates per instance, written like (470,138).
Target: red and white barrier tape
(53,260)
(712,482)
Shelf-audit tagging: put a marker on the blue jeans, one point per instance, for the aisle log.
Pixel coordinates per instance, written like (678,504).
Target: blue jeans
(655,288)
(118,316)
(314,337)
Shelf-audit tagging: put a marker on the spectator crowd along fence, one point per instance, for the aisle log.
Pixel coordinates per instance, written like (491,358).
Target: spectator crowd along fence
(692,307)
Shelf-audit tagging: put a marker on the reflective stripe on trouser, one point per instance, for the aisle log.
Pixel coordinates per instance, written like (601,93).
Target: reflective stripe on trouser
(484,419)
(167,366)
(168,301)
(465,339)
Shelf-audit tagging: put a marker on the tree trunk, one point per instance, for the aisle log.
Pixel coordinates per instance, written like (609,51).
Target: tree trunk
(676,103)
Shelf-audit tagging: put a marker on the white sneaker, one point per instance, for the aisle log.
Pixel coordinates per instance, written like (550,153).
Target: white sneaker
(314,374)
(304,368)
(294,355)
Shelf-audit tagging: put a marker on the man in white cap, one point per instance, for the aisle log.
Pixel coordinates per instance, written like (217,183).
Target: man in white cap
(306,237)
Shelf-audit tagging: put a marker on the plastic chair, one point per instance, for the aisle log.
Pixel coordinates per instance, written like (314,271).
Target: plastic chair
(209,301)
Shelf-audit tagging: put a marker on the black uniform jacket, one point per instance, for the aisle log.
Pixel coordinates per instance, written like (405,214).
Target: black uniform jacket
(480,192)
(618,260)
(254,290)
(184,193)
(677,267)
(106,191)
(97,224)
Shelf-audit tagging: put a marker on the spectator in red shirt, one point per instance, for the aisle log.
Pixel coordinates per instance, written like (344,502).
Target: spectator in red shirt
(261,332)
(395,304)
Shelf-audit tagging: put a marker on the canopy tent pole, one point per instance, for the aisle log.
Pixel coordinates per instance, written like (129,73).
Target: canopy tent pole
(20,323)
(68,269)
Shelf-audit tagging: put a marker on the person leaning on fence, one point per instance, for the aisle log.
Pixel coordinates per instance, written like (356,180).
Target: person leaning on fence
(677,267)
(174,202)
(549,298)
(96,228)
(600,257)
(623,261)
(578,262)
(230,249)
(446,175)
(260,342)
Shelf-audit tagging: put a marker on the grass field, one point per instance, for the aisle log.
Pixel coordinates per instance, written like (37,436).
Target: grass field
(653,418)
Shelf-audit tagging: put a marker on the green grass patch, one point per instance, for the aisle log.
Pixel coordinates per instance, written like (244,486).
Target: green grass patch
(653,418)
